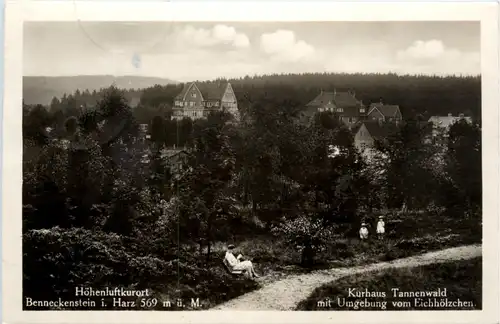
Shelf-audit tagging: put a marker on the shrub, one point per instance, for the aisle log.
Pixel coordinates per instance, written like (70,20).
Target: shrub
(56,261)
(306,234)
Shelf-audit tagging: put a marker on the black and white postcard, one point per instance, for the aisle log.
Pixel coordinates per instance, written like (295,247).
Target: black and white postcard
(294,162)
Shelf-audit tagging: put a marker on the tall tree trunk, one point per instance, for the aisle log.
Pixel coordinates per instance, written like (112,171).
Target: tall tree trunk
(307,256)
(209,239)
(209,246)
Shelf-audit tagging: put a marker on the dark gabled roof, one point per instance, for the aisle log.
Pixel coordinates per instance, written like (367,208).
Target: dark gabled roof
(322,99)
(185,89)
(341,99)
(213,91)
(375,129)
(386,110)
(209,91)
(349,112)
(345,99)
(378,130)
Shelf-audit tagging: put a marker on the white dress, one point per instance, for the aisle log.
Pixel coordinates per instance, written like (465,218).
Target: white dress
(363,233)
(237,264)
(380,227)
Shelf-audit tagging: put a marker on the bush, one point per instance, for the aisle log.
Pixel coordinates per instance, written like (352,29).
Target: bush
(56,261)
(306,234)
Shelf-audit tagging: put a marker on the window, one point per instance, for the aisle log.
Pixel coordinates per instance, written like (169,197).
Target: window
(351,120)
(363,146)
(340,110)
(191,103)
(193,95)
(361,110)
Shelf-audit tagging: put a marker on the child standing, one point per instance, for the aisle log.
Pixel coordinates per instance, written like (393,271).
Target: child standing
(363,232)
(380,227)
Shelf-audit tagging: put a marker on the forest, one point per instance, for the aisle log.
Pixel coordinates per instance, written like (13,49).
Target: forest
(96,215)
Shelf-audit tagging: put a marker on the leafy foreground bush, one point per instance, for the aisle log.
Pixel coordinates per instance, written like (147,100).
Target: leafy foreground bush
(57,261)
(462,281)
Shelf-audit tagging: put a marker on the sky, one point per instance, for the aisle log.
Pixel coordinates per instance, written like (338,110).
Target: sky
(185,51)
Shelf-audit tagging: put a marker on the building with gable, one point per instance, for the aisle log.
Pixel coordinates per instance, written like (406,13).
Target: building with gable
(368,133)
(441,124)
(343,104)
(197,100)
(384,113)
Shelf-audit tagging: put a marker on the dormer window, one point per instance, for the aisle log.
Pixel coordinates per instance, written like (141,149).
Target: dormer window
(361,110)
(340,110)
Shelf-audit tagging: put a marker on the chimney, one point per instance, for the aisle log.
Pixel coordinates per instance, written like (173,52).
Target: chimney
(174,146)
(381,101)
(449,115)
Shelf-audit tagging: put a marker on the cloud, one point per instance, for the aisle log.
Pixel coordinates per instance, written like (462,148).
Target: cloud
(423,50)
(283,46)
(218,35)
(434,57)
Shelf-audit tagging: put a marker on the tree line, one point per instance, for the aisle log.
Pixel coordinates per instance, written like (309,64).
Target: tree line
(415,94)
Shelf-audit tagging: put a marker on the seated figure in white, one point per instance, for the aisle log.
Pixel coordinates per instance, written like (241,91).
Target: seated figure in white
(235,263)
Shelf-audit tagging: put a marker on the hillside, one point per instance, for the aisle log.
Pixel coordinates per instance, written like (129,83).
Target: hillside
(41,89)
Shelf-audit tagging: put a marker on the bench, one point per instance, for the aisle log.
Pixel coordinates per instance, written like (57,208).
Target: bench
(229,270)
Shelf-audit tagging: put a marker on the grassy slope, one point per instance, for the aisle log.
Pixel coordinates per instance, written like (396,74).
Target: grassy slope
(462,281)
(406,235)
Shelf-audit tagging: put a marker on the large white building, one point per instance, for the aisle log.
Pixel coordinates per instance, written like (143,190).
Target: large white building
(198,100)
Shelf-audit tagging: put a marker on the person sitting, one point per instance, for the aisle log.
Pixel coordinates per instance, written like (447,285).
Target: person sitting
(363,232)
(235,263)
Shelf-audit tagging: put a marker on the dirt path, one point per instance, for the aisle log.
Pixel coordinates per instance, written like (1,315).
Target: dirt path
(287,293)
